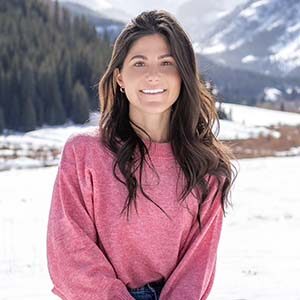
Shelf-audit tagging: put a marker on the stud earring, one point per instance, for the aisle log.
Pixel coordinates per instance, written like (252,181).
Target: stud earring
(122,89)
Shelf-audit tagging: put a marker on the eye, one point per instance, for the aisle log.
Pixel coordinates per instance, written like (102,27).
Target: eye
(137,64)
(140,63)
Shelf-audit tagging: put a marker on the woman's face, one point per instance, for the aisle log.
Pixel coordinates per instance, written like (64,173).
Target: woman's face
(148,67)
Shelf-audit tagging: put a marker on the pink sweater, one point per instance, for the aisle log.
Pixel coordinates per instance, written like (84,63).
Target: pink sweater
(93,252)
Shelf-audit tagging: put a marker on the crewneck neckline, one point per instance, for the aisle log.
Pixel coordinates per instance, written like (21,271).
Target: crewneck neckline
(157,149)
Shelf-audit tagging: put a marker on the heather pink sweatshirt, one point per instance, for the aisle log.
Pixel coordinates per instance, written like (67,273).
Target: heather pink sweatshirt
(93,252)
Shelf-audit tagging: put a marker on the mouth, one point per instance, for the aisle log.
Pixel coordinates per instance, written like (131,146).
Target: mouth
(153,92)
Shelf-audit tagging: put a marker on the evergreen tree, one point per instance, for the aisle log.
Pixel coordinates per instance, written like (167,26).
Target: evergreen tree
(46,58)
(28,117)
(27,94)
(2,121)
(80,106)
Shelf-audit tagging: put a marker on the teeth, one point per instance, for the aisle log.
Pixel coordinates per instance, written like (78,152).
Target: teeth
(153,91)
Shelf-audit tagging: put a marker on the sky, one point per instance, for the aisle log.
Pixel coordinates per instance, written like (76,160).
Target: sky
(133,7)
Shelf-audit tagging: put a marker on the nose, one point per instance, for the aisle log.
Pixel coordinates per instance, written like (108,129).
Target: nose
(153,73)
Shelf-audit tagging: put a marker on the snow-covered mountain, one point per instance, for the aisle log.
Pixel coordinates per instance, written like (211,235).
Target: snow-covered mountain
(198,17)
(125,10)
(259,35)
(103,22)
(103,7)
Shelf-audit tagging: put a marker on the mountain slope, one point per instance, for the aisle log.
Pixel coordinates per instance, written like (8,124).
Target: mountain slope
(125,10)
(260,35)
(198,17)
(49,65)
(99,20)
(103,7)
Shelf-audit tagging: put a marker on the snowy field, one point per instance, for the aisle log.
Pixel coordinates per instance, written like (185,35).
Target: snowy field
(259,253)
(247,122)
(254,116)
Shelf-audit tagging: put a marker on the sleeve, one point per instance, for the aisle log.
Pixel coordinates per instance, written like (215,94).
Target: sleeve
(193,277)
(77,267)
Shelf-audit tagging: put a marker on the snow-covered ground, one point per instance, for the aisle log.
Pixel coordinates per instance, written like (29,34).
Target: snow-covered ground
(254,116)
(259,252)
(248,122)
(259,256)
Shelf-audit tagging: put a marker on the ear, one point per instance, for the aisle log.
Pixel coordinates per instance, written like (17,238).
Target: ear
(118,77)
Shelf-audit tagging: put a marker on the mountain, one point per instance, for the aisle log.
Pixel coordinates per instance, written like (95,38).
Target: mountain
(99,20)
(50,65)
(95,7)
(125,10)
(258,35)
(250,88)
(198,17)
(233,82)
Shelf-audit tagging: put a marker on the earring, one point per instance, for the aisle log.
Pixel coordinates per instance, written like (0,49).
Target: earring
(122,89)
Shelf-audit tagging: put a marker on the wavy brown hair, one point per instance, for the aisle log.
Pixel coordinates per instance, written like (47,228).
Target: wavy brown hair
(195,147)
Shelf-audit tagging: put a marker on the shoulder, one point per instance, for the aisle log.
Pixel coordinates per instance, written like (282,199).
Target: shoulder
(84,144)
(215,182)
(86,135)
(215,185)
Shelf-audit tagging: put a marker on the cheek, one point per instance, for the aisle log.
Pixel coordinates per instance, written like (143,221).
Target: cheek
(176,79)
(173,74)
(133,73)
(131,77)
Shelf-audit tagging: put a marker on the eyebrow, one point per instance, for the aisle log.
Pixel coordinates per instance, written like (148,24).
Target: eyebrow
(144,57)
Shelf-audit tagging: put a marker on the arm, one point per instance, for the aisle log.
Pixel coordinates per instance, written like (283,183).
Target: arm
(78,268)
(193,277)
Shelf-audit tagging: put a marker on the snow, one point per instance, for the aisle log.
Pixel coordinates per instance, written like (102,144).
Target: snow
(247,13)
(50,136)
(260,3)
(294,151)
(247,122)
(214,49)
(256,231)
(97,5)
(110,28)
(275,25)
(293,28)
(287,54)
(258,254)
(233,130)
(223,13)
(248,59)
(20,150)
(272,94)
(251,11)
(253,116)
(236,44)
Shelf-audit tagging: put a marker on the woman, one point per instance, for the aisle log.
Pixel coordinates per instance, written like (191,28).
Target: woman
(154,149)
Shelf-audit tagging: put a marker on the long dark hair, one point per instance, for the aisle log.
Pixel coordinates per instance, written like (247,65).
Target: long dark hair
(194,145)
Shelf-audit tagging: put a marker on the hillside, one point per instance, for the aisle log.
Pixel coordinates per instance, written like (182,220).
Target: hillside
(260,36)
(49,65)
(242,86)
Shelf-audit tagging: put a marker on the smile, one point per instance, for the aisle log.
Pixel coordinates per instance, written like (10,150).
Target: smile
(153,92)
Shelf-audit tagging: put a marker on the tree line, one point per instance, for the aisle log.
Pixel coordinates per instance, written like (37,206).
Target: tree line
(50,65)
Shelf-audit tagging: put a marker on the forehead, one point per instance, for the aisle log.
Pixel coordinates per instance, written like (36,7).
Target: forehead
(149,44)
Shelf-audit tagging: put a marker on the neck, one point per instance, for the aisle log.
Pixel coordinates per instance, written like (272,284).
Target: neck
(156,125)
